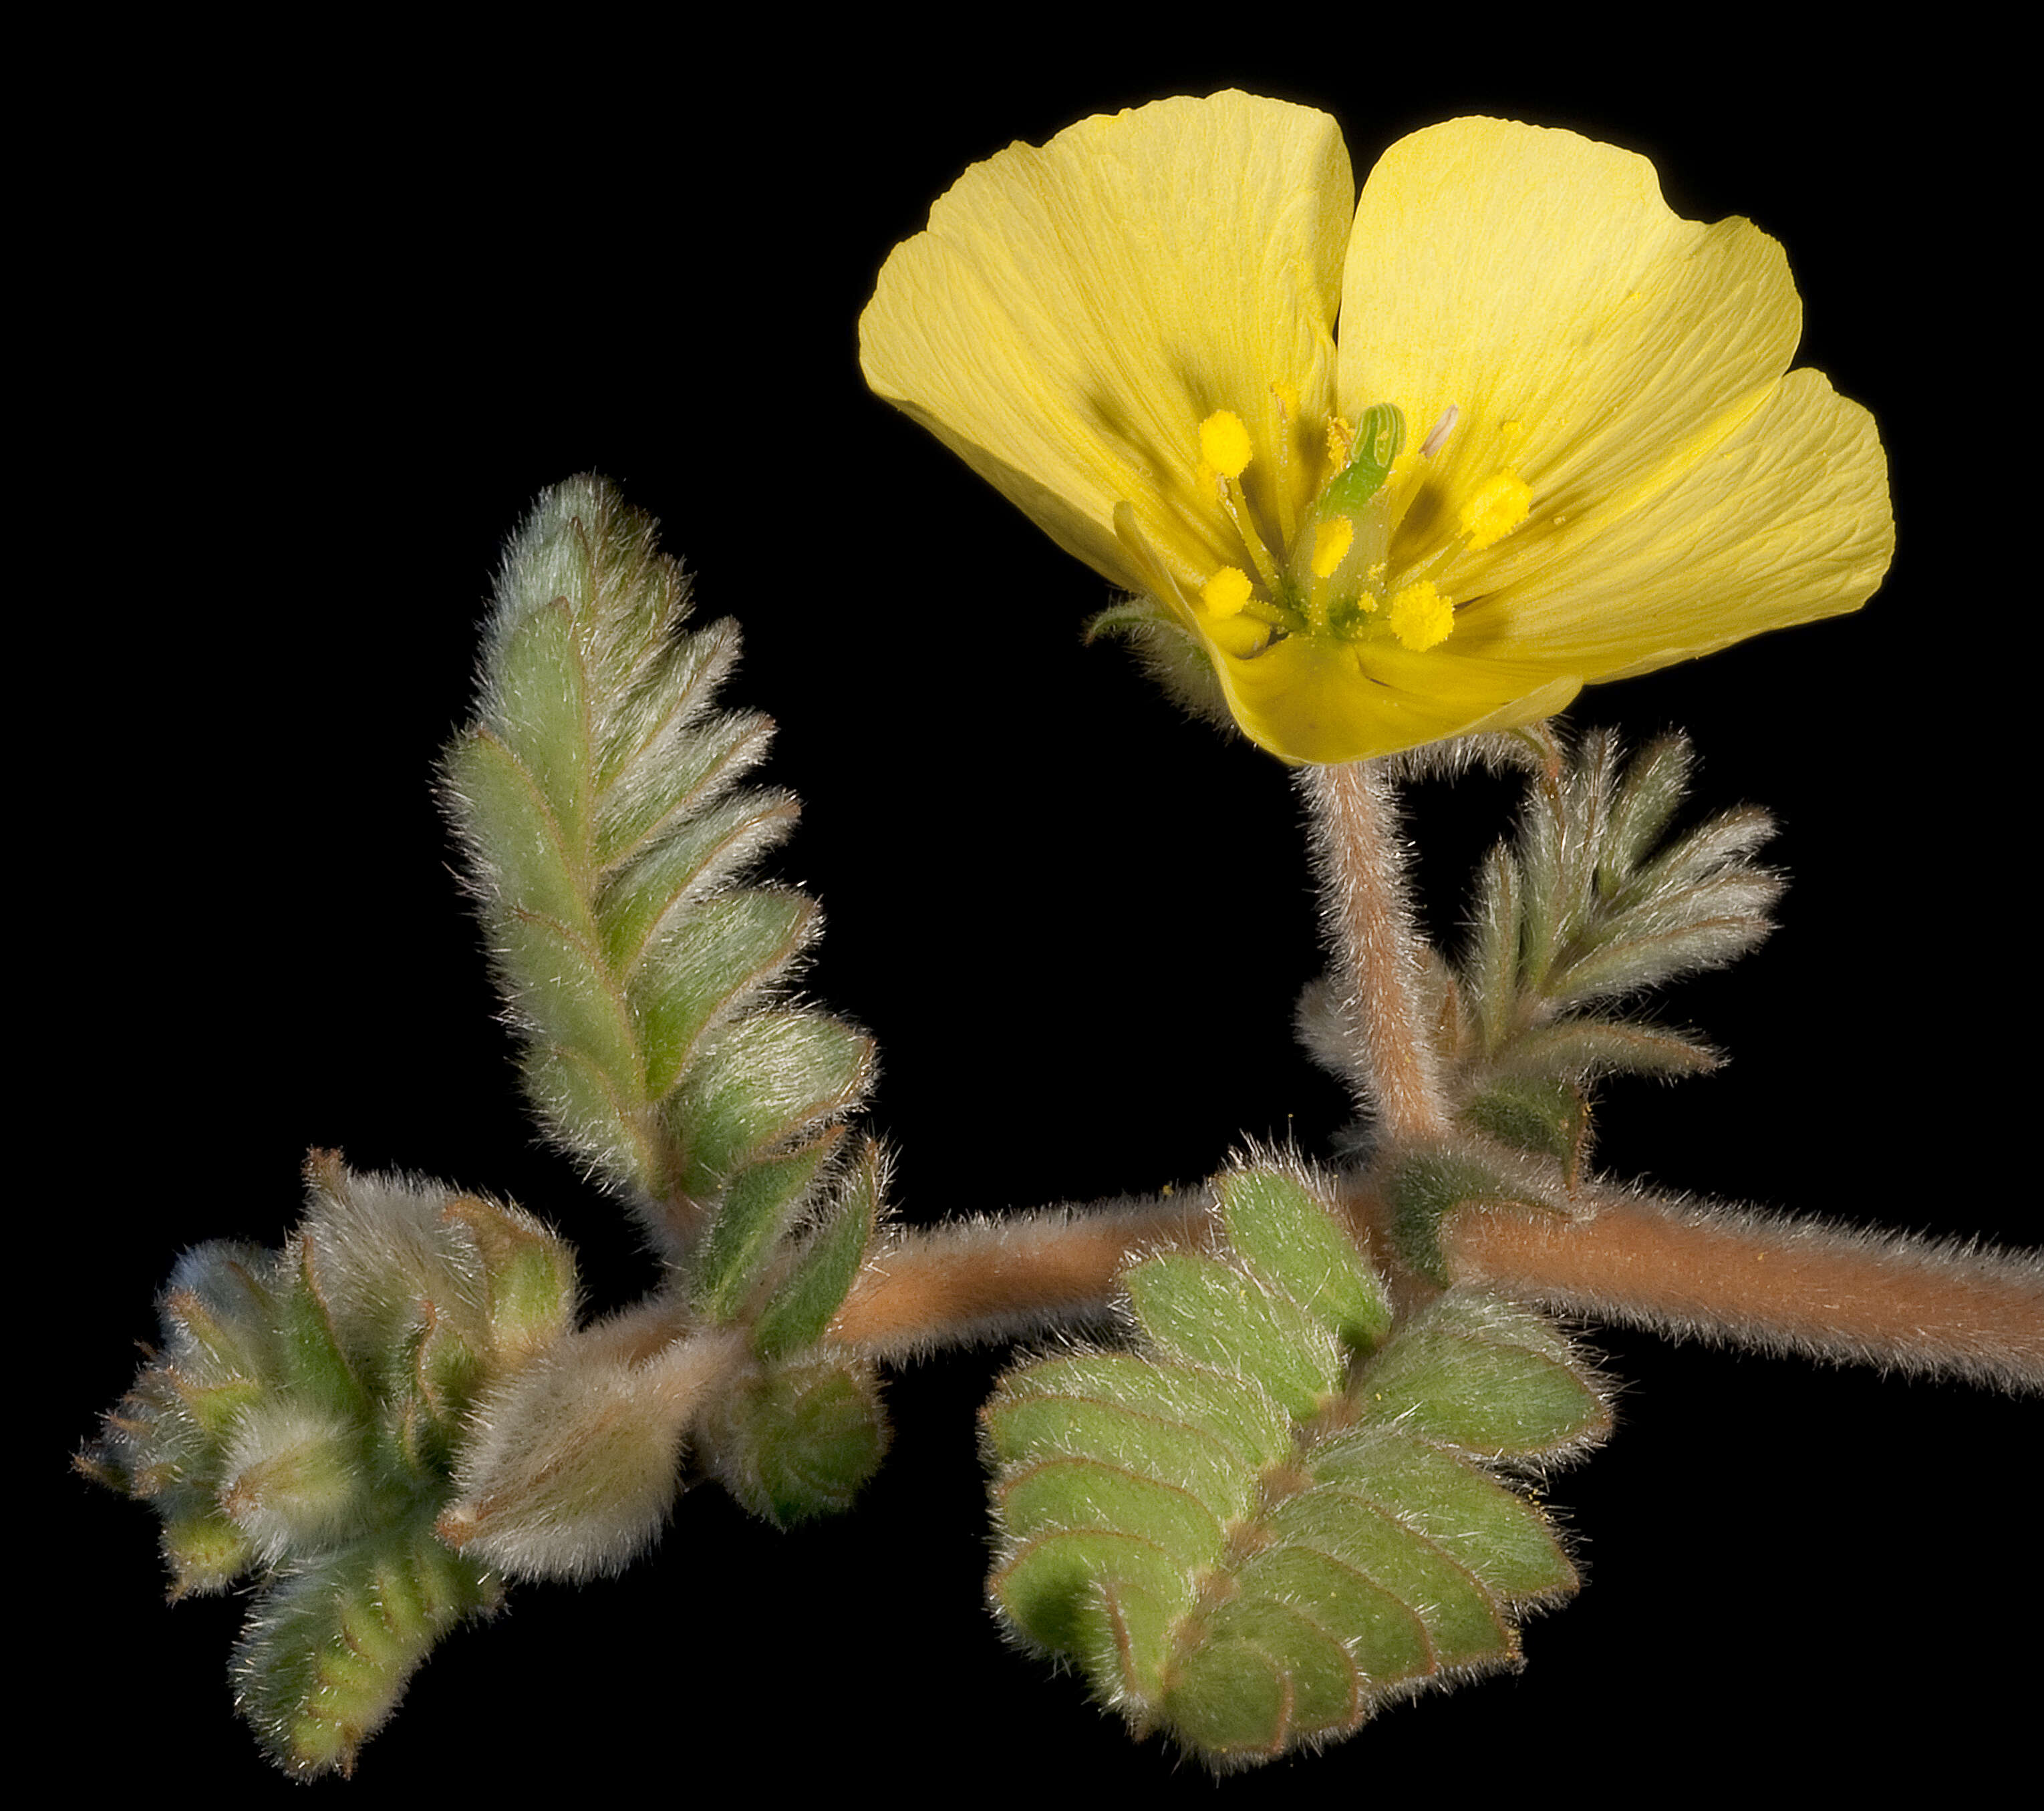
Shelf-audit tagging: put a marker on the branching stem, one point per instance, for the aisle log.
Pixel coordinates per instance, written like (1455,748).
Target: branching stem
(1726,1275)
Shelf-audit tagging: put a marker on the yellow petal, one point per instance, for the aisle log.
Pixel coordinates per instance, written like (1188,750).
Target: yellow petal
(1785,521)
(1073,313)
(1592,343)
(1628,366)
(1315,699)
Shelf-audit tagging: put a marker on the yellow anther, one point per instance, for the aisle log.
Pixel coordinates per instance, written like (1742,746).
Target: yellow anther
(1341,443)
(1224,443)
(1502,501)
(1224,595)
(1420,616)
(1288,400)
(1331,540)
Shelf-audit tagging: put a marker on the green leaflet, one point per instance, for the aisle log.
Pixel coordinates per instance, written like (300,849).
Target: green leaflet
(596,795)
(1055,1589)
(820,1273)
(1229,1407)
(328,1649)
(1496,1535)
(1074,1494)
(757,1208)
(1282,1507)
(1287,1243)
(773,1075)
(1204,1312)
(1484,1375)
(1208,1470)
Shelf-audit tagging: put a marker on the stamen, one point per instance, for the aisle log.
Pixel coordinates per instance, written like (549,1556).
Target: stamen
(1438,438)
(1224,595)
(1287,399)
(1225,453)
(1221,601)
(1498,505)
(1421,617)
(1224,443)
(1232,501)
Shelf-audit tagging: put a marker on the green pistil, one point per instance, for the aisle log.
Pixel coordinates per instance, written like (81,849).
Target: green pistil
(1380,437)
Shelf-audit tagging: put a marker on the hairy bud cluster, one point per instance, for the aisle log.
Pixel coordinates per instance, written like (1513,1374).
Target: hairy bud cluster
(301,1421)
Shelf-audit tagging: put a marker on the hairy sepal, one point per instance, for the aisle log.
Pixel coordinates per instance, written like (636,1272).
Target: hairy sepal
(573,1463)
(798,1440)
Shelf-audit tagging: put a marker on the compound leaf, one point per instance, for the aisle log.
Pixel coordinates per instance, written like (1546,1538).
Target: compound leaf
(1281,1507)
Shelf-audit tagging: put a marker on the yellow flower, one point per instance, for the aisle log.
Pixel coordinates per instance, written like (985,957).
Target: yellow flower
(1558,441)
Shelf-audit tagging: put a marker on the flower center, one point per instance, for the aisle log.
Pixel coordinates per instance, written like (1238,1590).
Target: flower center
(1321,561)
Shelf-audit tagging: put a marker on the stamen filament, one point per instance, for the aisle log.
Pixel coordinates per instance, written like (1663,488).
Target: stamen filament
(1237,506)
(1287,399)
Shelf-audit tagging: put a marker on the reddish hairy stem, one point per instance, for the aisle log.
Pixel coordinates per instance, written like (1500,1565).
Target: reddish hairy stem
(1378,954)
(1732,1276)
(985,1279)
(1725,1274)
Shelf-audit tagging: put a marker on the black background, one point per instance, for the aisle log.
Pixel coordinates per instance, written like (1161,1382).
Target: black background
(319,338)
